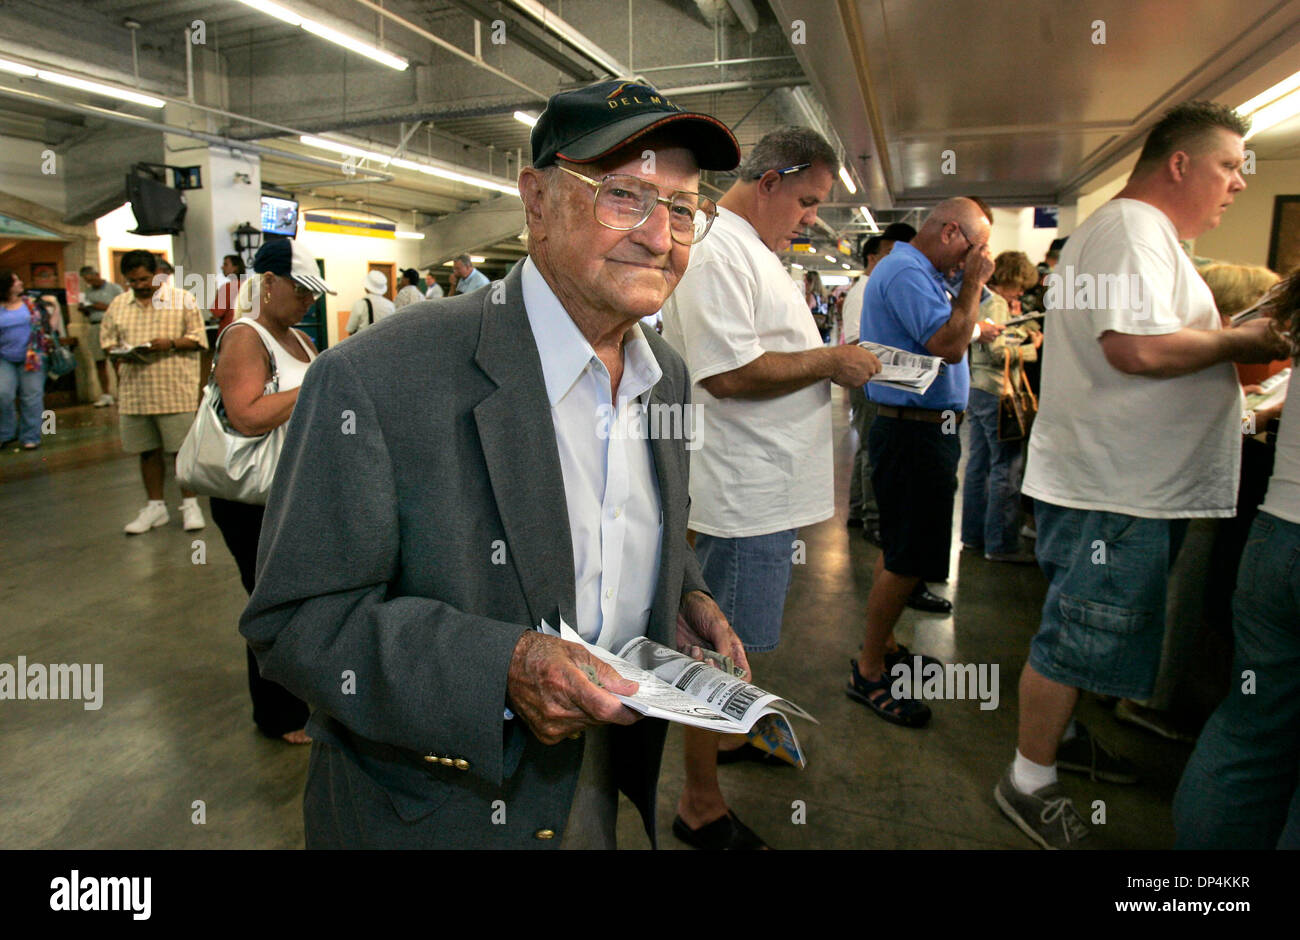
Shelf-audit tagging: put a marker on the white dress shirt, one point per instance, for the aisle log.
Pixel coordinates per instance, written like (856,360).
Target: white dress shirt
(610,484)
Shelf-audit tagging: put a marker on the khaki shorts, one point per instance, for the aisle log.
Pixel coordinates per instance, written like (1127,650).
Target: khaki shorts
(92,343)
(141,433)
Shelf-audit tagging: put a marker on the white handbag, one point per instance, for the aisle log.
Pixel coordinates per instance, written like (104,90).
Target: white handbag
(216,460)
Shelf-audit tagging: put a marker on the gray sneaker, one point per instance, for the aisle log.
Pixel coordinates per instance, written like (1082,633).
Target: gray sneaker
(1047,816)
(1084,754)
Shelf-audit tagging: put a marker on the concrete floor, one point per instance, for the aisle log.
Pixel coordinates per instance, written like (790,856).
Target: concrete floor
(175,726)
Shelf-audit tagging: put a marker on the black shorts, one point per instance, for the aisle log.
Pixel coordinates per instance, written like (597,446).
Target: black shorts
(914,474)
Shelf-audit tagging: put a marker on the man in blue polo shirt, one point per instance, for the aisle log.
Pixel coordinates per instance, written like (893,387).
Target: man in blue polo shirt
(913,442)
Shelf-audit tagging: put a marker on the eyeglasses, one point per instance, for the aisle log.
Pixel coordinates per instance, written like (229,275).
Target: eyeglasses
(784,170)
(304,293)
(625,202)
(964,235)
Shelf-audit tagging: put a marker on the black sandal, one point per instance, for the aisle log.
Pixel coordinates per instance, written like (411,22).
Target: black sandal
(725,833)
(876,696)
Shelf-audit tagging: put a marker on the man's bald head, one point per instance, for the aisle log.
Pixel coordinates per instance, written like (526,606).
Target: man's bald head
(949,232)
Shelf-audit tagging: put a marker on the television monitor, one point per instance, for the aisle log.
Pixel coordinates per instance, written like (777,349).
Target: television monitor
(279,216)
(158,209)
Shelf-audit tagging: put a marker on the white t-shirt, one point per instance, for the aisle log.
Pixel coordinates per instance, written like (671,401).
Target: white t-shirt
(433,292)
(410,294)
(851,311)
(1283,499)
(1159,448)
(763,465)
(360,319)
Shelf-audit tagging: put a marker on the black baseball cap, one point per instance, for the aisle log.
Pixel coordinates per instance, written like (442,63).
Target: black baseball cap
(587,124)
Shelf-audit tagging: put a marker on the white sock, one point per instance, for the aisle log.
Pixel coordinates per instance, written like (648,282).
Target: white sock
(189,501)
(157,502)
(1028,777)
(1071,731)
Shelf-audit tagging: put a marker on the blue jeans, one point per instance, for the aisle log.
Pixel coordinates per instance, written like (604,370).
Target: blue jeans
(990,502)
(29,389)
(749,578)
(1241,788)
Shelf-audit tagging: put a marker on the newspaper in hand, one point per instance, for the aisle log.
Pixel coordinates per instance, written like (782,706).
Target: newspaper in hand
(908,372)
(676,687)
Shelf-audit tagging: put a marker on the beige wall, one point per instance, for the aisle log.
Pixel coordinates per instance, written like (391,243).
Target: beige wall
(1242,236)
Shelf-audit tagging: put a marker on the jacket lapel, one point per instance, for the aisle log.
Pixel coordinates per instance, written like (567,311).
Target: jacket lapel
(518,440)
(663,617)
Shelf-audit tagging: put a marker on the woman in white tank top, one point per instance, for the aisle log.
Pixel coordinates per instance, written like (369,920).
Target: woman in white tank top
(284,285)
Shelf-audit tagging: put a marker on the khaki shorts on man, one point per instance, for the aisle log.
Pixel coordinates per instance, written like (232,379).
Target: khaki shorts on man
(141,433)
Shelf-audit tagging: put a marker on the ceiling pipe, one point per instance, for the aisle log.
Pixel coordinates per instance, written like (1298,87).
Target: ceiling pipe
(570,36)
(454,50)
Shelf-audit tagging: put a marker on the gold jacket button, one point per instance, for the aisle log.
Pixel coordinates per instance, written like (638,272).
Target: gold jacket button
(545,834)
(462,764)
(431,758)
(446,761)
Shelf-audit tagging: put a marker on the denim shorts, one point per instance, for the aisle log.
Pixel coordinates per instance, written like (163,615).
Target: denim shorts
(1104,617)
(749,578)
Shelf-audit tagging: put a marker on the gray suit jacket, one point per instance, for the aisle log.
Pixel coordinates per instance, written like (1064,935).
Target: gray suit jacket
(416,528)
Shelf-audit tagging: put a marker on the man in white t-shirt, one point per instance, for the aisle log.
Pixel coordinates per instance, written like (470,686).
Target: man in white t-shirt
(1139,430)
(373,307)
(432,289)
(761,381)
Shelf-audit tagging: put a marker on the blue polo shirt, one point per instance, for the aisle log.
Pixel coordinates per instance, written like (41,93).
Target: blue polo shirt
(904,305)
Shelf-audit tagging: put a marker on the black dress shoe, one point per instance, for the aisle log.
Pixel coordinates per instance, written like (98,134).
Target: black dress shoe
(922,599)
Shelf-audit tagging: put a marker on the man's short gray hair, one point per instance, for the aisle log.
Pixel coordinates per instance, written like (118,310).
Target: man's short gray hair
(788,146)
(464,259)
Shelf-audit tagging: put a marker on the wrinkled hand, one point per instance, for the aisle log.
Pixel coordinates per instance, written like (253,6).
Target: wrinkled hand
(702,625)
(989,331)
(1036,337)
(159,344)
(854,366)
(1266,342)
(547,688)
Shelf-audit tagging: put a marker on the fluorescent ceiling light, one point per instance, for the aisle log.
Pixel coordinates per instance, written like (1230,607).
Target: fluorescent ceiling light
(796,265)
(829,258)
(475,259)
(523,118)
(844,266)
(82,84)
(17,68)
(329,34)
(483,182)
(848,180)
(1273,106)
(410,234)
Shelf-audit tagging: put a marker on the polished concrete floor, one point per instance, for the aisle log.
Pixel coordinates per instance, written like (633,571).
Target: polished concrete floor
(175,727)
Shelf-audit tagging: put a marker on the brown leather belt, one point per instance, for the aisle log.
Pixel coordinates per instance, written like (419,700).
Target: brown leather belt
(919,414)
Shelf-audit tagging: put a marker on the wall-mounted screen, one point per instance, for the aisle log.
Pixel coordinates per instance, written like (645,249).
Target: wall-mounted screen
(279,216)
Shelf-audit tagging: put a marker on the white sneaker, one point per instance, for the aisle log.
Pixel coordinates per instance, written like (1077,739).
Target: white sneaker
(104,400)
(192,516)
(151,516)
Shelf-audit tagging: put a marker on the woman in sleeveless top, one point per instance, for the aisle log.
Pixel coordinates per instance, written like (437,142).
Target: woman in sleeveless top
(284,285)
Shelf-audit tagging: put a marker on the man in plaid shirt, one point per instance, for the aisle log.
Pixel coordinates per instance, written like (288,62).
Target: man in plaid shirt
(158,388)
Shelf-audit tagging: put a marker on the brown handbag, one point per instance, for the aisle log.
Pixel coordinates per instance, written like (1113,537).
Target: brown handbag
(1017,405)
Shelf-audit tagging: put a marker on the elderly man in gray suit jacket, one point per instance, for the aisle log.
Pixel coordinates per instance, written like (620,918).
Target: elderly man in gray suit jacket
(461,472)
